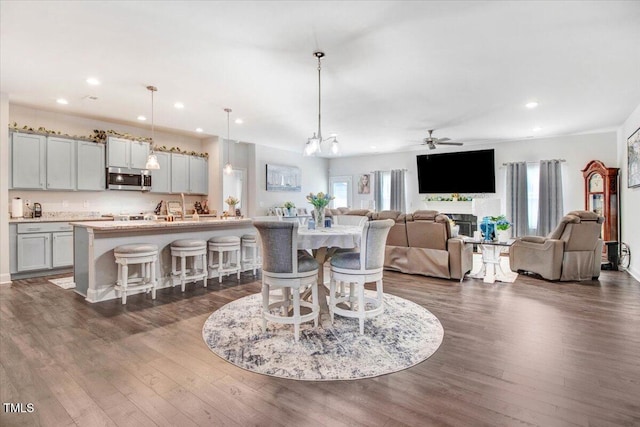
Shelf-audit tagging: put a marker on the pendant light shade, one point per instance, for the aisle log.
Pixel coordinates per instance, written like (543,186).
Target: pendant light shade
(228,169)
(152,160)
(313,147)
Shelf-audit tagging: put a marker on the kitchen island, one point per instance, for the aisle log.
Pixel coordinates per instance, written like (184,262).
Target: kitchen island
(95,271)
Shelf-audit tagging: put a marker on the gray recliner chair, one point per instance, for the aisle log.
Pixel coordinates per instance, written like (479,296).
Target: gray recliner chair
(572,251)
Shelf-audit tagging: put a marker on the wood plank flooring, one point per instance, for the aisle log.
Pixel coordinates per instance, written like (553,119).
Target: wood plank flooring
(528,353)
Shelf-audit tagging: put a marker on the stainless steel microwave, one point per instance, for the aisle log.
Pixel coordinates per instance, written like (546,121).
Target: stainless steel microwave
(128,179)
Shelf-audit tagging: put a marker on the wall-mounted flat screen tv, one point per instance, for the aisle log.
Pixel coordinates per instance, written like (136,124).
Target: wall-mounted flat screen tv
(463,172)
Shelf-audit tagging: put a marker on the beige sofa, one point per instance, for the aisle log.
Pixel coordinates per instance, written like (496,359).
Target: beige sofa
(421,243)
(572,251)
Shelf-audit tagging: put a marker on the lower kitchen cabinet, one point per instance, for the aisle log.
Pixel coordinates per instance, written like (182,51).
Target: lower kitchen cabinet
(62,249)
(42,247)
(34,251)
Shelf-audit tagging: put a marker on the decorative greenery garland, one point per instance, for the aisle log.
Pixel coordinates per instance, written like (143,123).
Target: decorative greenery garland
(101,137)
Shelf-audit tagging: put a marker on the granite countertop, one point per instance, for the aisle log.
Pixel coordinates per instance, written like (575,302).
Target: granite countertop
(160,224)
(58,219)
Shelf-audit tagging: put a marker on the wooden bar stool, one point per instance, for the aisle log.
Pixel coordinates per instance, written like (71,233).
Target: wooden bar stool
(183,249)
(224,248)
(249,242)
(143,254)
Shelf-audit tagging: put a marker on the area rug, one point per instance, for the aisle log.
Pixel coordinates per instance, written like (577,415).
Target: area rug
(64,282)
(402,336)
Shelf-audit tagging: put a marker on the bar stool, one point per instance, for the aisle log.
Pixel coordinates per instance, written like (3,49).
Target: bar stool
(250,242)
(220,246)
(197,249)
(143,254)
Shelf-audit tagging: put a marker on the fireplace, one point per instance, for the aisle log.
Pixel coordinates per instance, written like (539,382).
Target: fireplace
(468,223)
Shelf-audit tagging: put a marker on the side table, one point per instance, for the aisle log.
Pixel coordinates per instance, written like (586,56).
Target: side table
(491,270)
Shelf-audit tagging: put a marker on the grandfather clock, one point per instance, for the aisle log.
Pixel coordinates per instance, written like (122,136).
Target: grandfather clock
(601,197)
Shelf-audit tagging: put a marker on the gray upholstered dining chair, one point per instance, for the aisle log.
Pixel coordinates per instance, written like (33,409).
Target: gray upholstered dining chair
(292,271)
(358,268)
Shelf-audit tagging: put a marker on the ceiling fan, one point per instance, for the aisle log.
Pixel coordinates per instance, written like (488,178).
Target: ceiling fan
(432,142)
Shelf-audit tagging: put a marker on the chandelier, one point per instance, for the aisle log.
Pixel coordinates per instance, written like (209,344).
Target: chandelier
(152,160)
(313,147)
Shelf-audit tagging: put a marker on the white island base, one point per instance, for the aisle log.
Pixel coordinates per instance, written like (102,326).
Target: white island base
(95,269)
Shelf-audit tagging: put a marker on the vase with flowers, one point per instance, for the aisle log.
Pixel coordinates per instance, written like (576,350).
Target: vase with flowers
(319,201)
(502,227)
(232,202)
(290,208)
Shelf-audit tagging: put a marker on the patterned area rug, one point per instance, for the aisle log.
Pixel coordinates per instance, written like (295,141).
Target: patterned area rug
(403,336)
(64,282)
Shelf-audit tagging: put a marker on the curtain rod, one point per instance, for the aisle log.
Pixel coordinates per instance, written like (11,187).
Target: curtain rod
(406,170)
(558,160)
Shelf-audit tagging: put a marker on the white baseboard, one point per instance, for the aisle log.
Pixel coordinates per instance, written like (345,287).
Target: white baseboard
(5,279)
(634,274)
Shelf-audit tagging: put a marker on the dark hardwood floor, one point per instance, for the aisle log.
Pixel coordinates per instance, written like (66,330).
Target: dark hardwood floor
(528,353)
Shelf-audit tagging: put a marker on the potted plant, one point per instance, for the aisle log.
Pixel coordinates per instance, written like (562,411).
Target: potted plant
(502,227)
(232,202)
(319,202)
(290,207)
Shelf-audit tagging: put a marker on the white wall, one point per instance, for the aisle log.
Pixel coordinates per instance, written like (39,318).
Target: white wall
(5,276)
(629,197)
(576,150)
(314,178)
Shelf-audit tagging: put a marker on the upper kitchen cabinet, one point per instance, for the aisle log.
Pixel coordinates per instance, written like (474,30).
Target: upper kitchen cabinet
(179,173)
(28,161)
(189,174)
(198,175)
(125,153)
(61,165)
(90,166)
(161,178)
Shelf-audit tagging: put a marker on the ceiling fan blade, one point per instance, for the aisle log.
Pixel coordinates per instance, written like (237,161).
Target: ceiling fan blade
(449,143)
(444,139)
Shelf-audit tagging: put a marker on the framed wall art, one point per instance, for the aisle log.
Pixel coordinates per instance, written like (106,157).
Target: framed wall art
(283,178)
(633,159)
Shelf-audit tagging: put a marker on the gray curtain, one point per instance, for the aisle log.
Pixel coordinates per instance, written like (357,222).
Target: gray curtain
(550,209)
(377,190)
(517,199)
(398,191)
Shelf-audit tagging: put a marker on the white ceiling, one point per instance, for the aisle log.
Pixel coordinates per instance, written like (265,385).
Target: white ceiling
(392,69)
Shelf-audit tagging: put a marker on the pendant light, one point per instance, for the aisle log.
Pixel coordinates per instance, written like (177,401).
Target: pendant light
(152,160)
(313,147)
(228,169)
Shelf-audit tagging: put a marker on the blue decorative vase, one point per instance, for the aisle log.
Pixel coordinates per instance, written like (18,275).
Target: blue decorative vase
(488,229)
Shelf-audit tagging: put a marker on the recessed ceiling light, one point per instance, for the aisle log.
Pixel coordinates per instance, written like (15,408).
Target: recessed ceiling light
(199,130)
(142,118)
(537,129)
(239,121)
(93,81)
(531,105)
(179,105)
(62,101)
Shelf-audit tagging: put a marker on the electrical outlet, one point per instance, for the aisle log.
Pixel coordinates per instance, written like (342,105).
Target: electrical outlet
(85,204)
(65,203)
(27,203)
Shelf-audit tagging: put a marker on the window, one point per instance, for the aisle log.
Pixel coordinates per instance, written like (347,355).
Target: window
(385,177)
(533,188)
(341,190)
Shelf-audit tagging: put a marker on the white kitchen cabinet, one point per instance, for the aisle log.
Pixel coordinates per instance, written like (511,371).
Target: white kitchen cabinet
(161,178)
(43,246)
(61,164)
(125,153)
(28,161)
(34,251)
(62,249)
(179,173)
(198,175)
(90,166)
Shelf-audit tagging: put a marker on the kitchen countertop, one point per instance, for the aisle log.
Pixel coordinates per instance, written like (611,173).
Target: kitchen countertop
(57,219)
(160,224)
